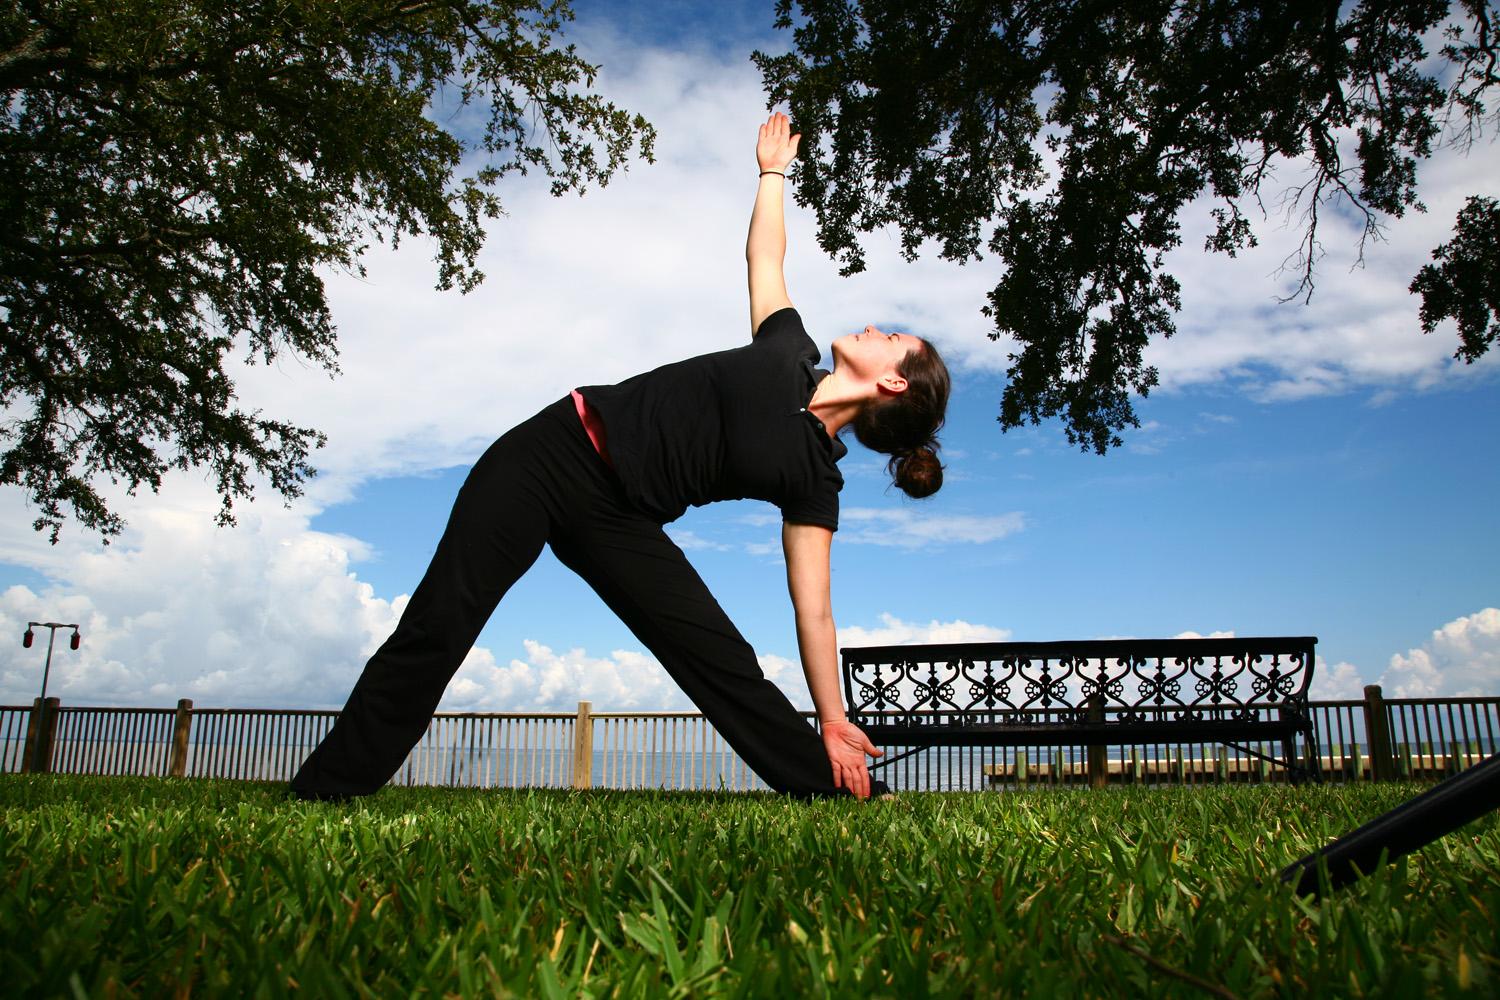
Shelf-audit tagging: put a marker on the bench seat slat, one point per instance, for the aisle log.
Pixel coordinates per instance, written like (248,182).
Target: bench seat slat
(1049,734)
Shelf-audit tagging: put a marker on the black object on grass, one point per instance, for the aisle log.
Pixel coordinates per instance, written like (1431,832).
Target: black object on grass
(1439,810)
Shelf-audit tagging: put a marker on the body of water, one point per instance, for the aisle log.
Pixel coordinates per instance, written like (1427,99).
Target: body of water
(938,769)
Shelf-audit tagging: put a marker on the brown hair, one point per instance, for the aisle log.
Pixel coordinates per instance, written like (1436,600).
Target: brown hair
(906,426)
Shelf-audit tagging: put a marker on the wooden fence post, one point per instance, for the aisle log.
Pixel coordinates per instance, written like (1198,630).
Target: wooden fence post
(33,727)
(180,726)
(583,746)
(1378,734)
(1098,753)
(41,730)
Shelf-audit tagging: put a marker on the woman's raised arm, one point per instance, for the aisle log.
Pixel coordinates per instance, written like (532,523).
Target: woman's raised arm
(765,247)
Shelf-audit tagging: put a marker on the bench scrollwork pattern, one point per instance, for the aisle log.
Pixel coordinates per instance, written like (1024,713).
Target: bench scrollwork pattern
(1033,682)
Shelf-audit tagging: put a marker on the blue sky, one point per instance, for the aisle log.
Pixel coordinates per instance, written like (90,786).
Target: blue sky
(1304,469)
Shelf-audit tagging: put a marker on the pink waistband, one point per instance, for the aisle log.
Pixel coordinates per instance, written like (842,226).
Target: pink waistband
(592,425)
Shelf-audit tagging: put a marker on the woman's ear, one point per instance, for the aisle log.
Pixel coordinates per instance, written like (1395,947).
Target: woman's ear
(893,383)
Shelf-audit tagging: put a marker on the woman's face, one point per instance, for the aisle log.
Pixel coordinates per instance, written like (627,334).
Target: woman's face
(873,353)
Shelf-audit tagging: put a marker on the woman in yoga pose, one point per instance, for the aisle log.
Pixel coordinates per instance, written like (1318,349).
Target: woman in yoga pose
(596,475)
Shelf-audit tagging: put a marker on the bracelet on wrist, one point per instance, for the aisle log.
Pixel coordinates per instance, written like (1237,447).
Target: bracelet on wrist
(778,173)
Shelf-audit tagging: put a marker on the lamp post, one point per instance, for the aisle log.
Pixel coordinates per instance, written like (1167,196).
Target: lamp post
(30,636)
(43,725)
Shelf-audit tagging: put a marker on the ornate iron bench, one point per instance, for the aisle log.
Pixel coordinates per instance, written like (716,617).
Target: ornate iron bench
(1095,693)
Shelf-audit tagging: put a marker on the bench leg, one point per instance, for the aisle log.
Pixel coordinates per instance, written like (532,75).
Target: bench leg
(1313,767)
(1295,773)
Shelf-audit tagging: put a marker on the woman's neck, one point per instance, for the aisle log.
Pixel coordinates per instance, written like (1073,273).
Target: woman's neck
(836,402)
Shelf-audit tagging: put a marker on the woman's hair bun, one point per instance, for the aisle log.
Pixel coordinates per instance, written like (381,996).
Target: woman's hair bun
(906,426)
(918,472)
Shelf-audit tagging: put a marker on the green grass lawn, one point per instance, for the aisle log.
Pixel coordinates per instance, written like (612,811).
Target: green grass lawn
(149,887)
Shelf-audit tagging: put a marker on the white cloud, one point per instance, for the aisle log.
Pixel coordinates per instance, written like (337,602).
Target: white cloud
(266,614)
(626,680)
(623,681)
(905,527)
(690,541)
(1360,331)
(908,527)
(1462,659)
(1336,682)
(892,631)
(549,681)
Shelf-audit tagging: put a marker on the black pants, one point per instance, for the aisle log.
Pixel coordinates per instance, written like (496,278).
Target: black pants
(543,483)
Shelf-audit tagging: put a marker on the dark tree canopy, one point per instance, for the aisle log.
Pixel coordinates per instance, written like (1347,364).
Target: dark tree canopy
(1464,284)
(930,116)
(173,175)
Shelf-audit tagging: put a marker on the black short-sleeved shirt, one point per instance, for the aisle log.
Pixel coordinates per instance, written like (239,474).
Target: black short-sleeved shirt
(727,426)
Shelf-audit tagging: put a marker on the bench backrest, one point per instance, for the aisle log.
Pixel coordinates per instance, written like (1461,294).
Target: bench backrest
(1054,681)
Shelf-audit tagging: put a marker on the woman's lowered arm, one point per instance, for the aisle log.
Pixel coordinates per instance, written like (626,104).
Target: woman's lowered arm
(807,549)
(765,247)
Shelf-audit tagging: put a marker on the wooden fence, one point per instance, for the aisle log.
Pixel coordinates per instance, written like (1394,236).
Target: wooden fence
(1371,739)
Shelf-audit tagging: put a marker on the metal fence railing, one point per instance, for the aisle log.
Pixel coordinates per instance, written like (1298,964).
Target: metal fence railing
(112,741)
(1405,737)
(1417,738)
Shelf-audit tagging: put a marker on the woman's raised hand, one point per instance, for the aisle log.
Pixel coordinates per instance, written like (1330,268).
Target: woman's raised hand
(777,145)
(846,745)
